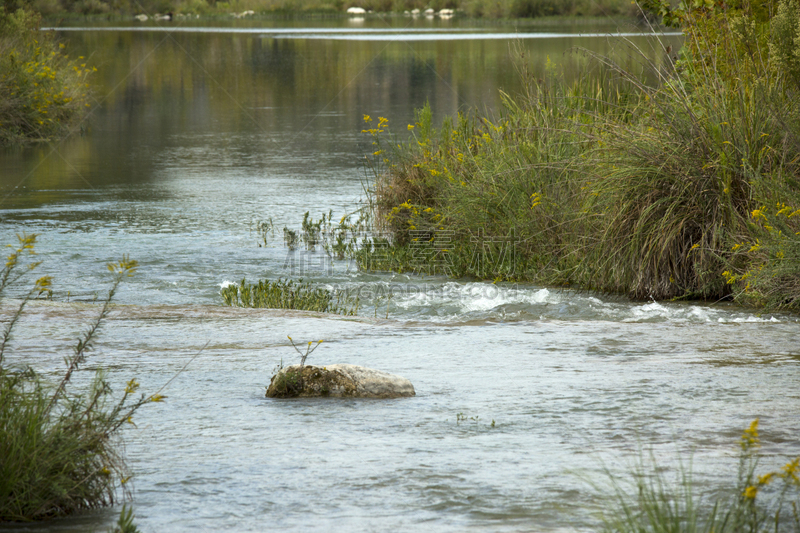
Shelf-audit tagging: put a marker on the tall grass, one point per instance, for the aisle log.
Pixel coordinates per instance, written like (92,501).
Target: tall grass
(59,452)
(43,93)
(713,144)
(507,193)
(752,503)
(679,183)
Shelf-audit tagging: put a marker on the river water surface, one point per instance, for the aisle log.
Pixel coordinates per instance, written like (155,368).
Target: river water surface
(524,395)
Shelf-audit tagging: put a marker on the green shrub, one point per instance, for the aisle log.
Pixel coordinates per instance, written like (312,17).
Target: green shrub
(43,94)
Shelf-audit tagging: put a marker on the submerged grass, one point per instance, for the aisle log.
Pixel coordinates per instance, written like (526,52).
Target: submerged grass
(290,294)
(59,454)
(683,182)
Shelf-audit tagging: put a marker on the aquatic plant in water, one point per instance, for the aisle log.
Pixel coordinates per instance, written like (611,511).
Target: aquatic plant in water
(290,294)
(264,229)
(125,522)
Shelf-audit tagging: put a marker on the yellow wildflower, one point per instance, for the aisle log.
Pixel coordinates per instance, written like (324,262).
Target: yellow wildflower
(750,436)
(132,386)
(766,478)
(790,470)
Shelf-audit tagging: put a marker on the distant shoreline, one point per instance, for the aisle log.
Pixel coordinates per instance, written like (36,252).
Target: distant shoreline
(386,34)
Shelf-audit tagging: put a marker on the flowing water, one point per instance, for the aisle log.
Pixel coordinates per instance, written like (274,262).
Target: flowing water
(524,395)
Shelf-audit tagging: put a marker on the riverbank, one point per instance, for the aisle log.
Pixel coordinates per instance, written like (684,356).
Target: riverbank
(678,184)
(512,9)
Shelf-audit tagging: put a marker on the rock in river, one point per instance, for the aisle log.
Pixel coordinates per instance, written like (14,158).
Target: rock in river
(337,381)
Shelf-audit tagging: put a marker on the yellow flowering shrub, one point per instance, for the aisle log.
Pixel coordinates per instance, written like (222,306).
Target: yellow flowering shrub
(42,91)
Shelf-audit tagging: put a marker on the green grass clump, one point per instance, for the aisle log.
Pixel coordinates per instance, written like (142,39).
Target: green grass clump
(290,294)
(125,522)
(713,144)
(755,503)
(58,449)
(682,182)
(43,94)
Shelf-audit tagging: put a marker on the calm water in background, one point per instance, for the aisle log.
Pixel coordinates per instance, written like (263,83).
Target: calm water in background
(196,137)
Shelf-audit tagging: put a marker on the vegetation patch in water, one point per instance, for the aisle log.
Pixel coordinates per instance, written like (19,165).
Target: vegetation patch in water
(290,294)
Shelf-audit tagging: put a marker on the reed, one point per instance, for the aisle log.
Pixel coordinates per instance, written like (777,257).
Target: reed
(505,193)
(708,150)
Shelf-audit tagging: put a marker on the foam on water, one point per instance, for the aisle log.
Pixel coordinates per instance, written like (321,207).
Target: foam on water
(483,301)
(457,301)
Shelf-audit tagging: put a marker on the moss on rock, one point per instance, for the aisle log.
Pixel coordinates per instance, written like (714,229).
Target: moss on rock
(338,381)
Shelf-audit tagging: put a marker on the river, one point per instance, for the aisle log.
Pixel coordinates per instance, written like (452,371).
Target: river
(525,394)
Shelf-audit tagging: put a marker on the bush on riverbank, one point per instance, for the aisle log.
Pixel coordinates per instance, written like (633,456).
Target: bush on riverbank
(687,186)
(42,92)
(58,453)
